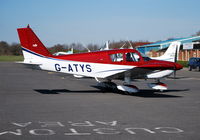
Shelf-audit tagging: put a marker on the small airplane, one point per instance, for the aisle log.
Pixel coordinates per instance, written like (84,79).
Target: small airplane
(171,53)
(64,53)
(104,66)
(105,47)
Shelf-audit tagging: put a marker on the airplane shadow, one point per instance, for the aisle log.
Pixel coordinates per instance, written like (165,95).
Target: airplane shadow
(146,93)
(150,93)
(178,77)
(59,91)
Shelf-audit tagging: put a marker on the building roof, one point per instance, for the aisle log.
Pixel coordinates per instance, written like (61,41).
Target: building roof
(162,42)
(167,42)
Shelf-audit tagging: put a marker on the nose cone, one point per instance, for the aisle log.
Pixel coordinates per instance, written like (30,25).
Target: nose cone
(178,66)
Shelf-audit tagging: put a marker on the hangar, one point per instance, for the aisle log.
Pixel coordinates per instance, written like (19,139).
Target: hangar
(190,47)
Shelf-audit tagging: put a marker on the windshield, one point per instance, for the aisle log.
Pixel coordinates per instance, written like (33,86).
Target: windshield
(132,57)
(146,58)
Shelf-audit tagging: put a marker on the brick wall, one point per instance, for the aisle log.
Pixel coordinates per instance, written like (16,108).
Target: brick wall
(184,55)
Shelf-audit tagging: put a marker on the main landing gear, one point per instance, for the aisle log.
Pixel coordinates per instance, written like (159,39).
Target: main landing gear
(107,86)
(158,85)
(127,87)
(110,86)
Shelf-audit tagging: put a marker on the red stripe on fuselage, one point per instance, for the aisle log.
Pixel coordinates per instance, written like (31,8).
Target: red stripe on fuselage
(103,57)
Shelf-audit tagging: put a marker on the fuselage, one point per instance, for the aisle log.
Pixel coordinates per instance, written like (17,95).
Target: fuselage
(100,64)
(125,64)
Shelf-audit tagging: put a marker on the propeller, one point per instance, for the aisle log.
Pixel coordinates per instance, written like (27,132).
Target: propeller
(174,75)
(175,60)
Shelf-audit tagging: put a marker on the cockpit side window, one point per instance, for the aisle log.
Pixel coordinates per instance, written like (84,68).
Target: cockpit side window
(118,57)
(132,57)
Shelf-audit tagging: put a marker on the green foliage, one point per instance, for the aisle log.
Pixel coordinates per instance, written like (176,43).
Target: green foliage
(7,49)
(58,48)
(7,58)
(183,63)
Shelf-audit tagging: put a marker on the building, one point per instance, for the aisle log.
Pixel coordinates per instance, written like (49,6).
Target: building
(190,47)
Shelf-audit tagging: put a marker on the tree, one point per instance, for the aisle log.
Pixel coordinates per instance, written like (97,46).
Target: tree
(15,49)
(197,33)
(4,48)
(57,48)
(92,47)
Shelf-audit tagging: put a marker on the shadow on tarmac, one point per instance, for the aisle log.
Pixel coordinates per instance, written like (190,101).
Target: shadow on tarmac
(60,91)
(150,93)
(147,93)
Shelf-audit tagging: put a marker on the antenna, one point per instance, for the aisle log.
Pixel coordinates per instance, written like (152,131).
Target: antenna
(123,45)
(130,44)
(86,48)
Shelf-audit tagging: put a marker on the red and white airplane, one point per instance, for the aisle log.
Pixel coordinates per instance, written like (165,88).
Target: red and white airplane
(123,64)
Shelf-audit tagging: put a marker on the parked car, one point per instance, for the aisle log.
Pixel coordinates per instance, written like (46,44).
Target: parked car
(194,63)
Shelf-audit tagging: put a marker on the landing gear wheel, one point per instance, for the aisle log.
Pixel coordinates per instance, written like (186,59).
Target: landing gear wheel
(190,68)
(128,88)
(107,86)
(158,86)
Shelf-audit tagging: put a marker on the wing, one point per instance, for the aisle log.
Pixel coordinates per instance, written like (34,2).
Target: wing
(142,71)
(135,73)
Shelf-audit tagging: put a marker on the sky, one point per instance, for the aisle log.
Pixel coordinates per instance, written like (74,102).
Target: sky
(96,21)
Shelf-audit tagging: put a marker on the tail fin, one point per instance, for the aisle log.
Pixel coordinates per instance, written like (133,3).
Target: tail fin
(171,52)
(31,44)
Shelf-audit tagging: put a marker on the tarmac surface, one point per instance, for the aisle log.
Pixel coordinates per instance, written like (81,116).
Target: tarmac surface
(46,105)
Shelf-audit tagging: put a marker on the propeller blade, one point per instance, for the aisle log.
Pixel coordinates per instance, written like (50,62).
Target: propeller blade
(176,54)
(174,74)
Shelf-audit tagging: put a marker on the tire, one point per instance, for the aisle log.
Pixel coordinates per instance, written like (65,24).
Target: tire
(198,68)
(190,68)
(107,86)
